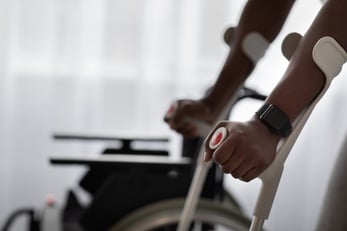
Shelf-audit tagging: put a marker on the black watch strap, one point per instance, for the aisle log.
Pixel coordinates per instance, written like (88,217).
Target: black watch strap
(275,119)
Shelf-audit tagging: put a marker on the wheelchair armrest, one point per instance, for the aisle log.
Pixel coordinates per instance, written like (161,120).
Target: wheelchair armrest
(121,160)
(127,142)
(102,136)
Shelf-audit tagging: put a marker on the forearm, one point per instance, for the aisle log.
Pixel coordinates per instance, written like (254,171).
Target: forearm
(263,16)
(303,80)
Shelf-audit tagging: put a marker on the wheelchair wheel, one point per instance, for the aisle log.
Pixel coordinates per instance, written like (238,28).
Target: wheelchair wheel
(166,213)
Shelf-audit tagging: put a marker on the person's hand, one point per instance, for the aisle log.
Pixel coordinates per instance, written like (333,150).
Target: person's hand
(181,114)
(245,149)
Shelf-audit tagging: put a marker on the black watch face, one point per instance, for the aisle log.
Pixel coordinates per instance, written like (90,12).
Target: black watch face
(274,118)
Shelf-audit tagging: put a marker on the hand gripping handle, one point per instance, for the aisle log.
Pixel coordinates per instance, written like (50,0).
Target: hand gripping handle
(254,45)
(329,57)
(199,177)
(202,127)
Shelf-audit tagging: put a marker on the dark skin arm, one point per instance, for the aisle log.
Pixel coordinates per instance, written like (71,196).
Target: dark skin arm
(265,17)
(250,146)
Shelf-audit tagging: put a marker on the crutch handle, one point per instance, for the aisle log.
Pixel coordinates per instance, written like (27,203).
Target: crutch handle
(254,46)
(218,137)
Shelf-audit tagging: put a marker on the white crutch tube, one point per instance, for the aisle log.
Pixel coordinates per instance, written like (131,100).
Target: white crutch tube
(329,57)
(254,46)
(198,181)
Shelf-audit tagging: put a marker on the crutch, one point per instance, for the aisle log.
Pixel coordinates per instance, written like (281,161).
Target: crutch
(254,46)
(329,57)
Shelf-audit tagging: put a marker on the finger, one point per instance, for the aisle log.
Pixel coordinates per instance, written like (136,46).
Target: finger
(242,169)
(223,155)
(182,125)
(189,132)
(207,156)
(232,163)
(170,113)
(250,175)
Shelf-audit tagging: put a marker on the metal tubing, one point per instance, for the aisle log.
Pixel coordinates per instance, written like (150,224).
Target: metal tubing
(257,224)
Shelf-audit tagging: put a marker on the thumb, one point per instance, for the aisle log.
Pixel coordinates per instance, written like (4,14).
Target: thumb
(207,156)
(170,113)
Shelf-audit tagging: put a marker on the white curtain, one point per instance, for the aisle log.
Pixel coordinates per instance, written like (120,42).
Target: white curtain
(110,65)
(115,65)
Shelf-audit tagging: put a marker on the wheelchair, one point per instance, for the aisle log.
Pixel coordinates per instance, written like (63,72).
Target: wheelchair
(132,188)
(125,180)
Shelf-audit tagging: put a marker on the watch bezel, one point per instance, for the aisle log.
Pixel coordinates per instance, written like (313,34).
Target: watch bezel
(275,119)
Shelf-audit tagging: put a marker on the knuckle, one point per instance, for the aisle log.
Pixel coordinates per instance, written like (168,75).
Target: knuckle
(221,124)
(246,179)
(235,175)
(217,158)
(225,169)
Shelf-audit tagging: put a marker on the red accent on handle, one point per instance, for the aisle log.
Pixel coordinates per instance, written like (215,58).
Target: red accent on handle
(217,138)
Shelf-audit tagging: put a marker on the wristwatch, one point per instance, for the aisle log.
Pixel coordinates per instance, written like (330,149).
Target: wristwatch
(275,119)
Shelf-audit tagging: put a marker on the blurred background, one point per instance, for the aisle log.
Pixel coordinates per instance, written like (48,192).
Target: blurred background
(115,66)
